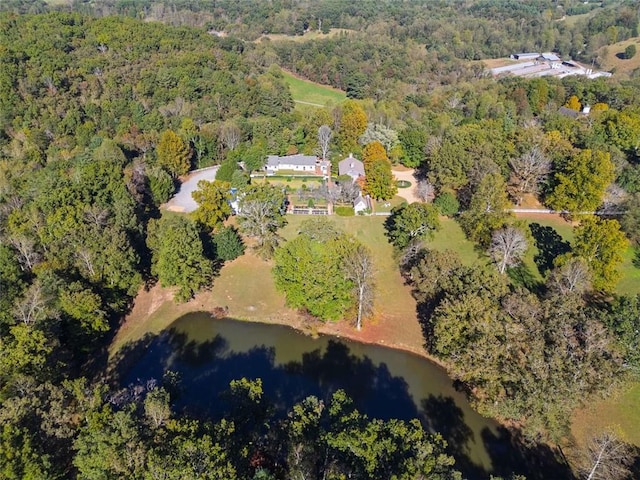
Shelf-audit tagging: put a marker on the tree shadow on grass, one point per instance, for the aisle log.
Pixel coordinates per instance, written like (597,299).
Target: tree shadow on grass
(549,244)
(522,276)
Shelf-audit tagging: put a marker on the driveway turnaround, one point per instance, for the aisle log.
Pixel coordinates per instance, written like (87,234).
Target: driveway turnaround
(182,201)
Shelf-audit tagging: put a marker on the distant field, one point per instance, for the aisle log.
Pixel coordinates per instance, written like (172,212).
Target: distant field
(622,66)
(305,92)
(308,36)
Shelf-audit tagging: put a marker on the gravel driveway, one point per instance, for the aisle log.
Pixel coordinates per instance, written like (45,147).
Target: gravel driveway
(182,201)
(407,193)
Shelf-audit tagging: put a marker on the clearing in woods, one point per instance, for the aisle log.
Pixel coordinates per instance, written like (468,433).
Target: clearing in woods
(613,57)
(305,92)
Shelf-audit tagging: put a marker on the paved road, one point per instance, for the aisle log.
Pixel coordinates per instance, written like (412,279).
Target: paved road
(182,201)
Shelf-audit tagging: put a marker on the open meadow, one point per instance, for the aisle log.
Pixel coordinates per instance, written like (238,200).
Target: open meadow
(313,94)
(613,57)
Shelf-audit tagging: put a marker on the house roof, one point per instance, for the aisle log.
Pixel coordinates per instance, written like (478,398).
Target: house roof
(361,201)
(274,161)
(552,57)
(569,112)
(351,166)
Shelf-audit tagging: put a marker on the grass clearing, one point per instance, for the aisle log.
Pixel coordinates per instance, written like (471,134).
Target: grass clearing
(308,36)
(245,288)
(393,297)
(451,237)
(310,93)
(613,57)
(619,412)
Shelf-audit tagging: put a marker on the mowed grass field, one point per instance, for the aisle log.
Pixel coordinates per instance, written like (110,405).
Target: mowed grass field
(313,94)
(620,413)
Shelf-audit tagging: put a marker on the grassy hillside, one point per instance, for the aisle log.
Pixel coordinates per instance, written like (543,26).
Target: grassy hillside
(305,92)
(613,57)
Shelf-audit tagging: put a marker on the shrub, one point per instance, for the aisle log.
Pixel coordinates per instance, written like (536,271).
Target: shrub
(447,204)
(229,245)
(630,51)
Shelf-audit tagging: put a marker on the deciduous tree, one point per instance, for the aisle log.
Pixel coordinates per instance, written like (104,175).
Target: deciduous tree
(324,140)
(260,215)
(417,221)
(178,256)
(379,180)
(359,268)
(581,183)
(601,244)
(487,210)
(173,153)
(508,245)
(353,123)
(213,199)
(605,457)
(529,170)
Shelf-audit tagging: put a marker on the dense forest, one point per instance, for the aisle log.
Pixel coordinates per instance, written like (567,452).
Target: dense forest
(102,113)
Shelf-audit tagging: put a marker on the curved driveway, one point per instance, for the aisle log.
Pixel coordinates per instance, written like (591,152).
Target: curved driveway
(407,193)
(182,201)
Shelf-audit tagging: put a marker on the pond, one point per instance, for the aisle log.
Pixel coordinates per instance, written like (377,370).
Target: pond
(208,353)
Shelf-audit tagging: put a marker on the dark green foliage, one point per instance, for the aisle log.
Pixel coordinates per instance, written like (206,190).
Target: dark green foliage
(178,256)
(487,210)
(412,223)
(310,271)
(523,357)
(226,170)
(630,52)
(228,243)
(414,142)
(12,284)
(84,104)
(624,323)
(161,185)
(630,221)
(447,204)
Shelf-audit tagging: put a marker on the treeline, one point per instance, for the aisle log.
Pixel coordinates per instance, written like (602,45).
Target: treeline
(464,30)
(76,430)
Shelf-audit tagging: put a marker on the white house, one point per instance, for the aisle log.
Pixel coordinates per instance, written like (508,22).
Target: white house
(362,204)
(300,164)
(351,166)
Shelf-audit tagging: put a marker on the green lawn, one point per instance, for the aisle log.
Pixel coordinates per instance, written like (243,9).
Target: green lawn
(451,237)
(305,92)
(620,413)
(393,298)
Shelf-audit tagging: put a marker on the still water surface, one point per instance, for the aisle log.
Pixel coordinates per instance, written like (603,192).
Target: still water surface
(384,383)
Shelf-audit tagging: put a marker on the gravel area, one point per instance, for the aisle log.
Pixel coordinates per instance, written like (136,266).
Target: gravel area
(407,193)
(182,201)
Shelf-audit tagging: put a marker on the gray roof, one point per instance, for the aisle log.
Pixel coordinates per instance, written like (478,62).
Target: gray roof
(568,112)
(552,57)
(351,166)
(273,161)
